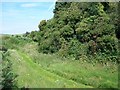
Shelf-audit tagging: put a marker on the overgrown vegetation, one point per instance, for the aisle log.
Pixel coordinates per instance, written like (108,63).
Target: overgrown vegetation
(13,41)
(56,55)
(38,70)
(8,76)
(90,74)
(80,29)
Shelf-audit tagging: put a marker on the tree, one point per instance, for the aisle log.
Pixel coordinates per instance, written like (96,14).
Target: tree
(92,25)
(67,32)
(42,25)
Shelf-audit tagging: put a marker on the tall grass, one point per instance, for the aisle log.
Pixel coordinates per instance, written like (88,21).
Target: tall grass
(80,71)
(50,70)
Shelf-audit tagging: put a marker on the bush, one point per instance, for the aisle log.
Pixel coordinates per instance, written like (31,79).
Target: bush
(50,45)
(80,30)
(67,32)
(42,25)
(7,74)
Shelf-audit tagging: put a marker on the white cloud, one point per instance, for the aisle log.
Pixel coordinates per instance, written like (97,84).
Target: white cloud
(29,5)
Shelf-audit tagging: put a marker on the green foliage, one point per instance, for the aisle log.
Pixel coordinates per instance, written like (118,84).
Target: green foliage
(51,23)
(7,74)
(76,49)
(82,31)
(26,34)
(13,42)
(79,29)
(48,66)
(96,9)
(67,32)
(34,35)
(42,24)
(50,45)
(46,70)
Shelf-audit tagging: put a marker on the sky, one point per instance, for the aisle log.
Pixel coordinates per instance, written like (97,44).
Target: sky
(20,17)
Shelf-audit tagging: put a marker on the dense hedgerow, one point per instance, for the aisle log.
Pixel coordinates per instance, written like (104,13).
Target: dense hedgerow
(78,29)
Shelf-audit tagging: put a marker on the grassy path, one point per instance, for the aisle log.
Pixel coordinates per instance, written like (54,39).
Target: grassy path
(33,76)
(38,70)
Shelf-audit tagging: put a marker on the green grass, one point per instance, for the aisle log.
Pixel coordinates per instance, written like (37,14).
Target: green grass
(96,75)
(33,76)
(37,70)
(85,73)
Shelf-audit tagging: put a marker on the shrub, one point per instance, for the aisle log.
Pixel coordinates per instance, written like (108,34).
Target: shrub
(7,74)
(42,25)
(67,32)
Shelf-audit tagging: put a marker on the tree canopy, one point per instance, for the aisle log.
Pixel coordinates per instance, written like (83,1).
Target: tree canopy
(80,28)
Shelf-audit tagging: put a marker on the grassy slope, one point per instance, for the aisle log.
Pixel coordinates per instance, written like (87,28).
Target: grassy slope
(32,75)
(51,71)
(95,75)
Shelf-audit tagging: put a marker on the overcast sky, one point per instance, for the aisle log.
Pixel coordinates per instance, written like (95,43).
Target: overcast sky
(20,17)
